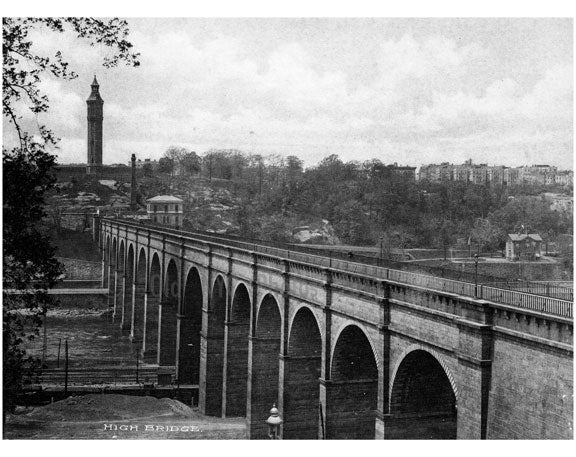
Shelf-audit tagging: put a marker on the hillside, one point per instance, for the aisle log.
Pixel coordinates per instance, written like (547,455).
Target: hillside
(213,205)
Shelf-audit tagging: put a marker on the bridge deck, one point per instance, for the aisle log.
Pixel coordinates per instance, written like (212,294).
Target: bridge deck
(534,302)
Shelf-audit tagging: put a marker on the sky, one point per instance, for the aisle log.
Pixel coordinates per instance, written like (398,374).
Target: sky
(406,91)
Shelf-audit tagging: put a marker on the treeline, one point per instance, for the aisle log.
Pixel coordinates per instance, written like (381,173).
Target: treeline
(368,202)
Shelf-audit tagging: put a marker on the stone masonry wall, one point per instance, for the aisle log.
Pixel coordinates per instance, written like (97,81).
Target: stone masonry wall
(532,392)
(81,269)
(84,301)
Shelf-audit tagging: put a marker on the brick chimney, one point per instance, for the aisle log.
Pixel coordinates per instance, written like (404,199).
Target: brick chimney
(133,191)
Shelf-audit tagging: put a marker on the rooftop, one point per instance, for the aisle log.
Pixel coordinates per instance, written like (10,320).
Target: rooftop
(165,199)
(522,236)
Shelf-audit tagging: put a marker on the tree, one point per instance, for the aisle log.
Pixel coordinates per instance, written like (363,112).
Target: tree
(445,236)
(190,163)
(175,154)
(22,68)
(147,170)
(487,235)
(29,265)
(166,165)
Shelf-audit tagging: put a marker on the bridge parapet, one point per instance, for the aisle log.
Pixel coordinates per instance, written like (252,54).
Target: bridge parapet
(272,257)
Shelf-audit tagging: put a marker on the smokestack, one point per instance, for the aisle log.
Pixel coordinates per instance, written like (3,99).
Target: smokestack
(133,191)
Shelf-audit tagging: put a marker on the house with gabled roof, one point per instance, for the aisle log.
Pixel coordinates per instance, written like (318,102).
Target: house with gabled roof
(523,246)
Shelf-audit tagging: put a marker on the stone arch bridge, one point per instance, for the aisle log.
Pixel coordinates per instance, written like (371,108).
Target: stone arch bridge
(345,350)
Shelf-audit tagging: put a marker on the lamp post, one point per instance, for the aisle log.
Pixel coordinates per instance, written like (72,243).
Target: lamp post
(137,366)
(274,422)
(475,275)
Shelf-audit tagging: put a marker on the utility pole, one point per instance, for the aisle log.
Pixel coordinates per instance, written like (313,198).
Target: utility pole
(66,368)
(59,346)
(137,365)
(44,344)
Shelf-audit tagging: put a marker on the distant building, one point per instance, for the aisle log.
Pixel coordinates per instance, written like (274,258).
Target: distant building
(563,178)
(509,176)
(166,209)
(494,175)
(479,174)
(436,173)
(461,173)
(142,163)
(523,246)
(405,171)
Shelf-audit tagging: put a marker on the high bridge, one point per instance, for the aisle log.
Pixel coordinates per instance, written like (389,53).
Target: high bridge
(345,350)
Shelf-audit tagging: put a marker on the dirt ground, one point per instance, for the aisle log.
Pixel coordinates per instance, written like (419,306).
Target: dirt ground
(111,416)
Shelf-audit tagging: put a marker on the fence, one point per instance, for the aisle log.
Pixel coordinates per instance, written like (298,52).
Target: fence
(535,288)
(97,376)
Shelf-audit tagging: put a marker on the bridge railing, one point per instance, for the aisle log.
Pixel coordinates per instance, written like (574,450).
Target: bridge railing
(546,289)
(292,251)
(539,303)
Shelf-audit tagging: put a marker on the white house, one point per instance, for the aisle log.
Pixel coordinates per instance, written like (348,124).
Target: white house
(166,209)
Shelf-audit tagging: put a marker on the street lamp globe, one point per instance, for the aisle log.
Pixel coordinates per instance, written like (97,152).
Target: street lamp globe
(274,422)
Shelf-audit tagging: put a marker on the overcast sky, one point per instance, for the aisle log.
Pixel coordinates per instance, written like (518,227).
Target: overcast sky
(411,91)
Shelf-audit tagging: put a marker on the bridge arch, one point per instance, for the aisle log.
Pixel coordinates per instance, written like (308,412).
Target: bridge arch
(302,367)
(137,326)
(269,319)
(237,334)
(171,281)
(352,398)
(423,401)
(152,309)
(168,310)
(131,246)
(240,298)
(128,281)
(114,253)
(439,358)
(263,377)
(122,254)
(155,275)
(112,265)
(189,329)
(119,281)
(343,324)
(213,349)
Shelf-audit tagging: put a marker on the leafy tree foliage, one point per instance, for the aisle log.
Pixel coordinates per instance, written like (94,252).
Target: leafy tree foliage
(166,165)
(147,170)
(368,201)
(190,163)
(29,265)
